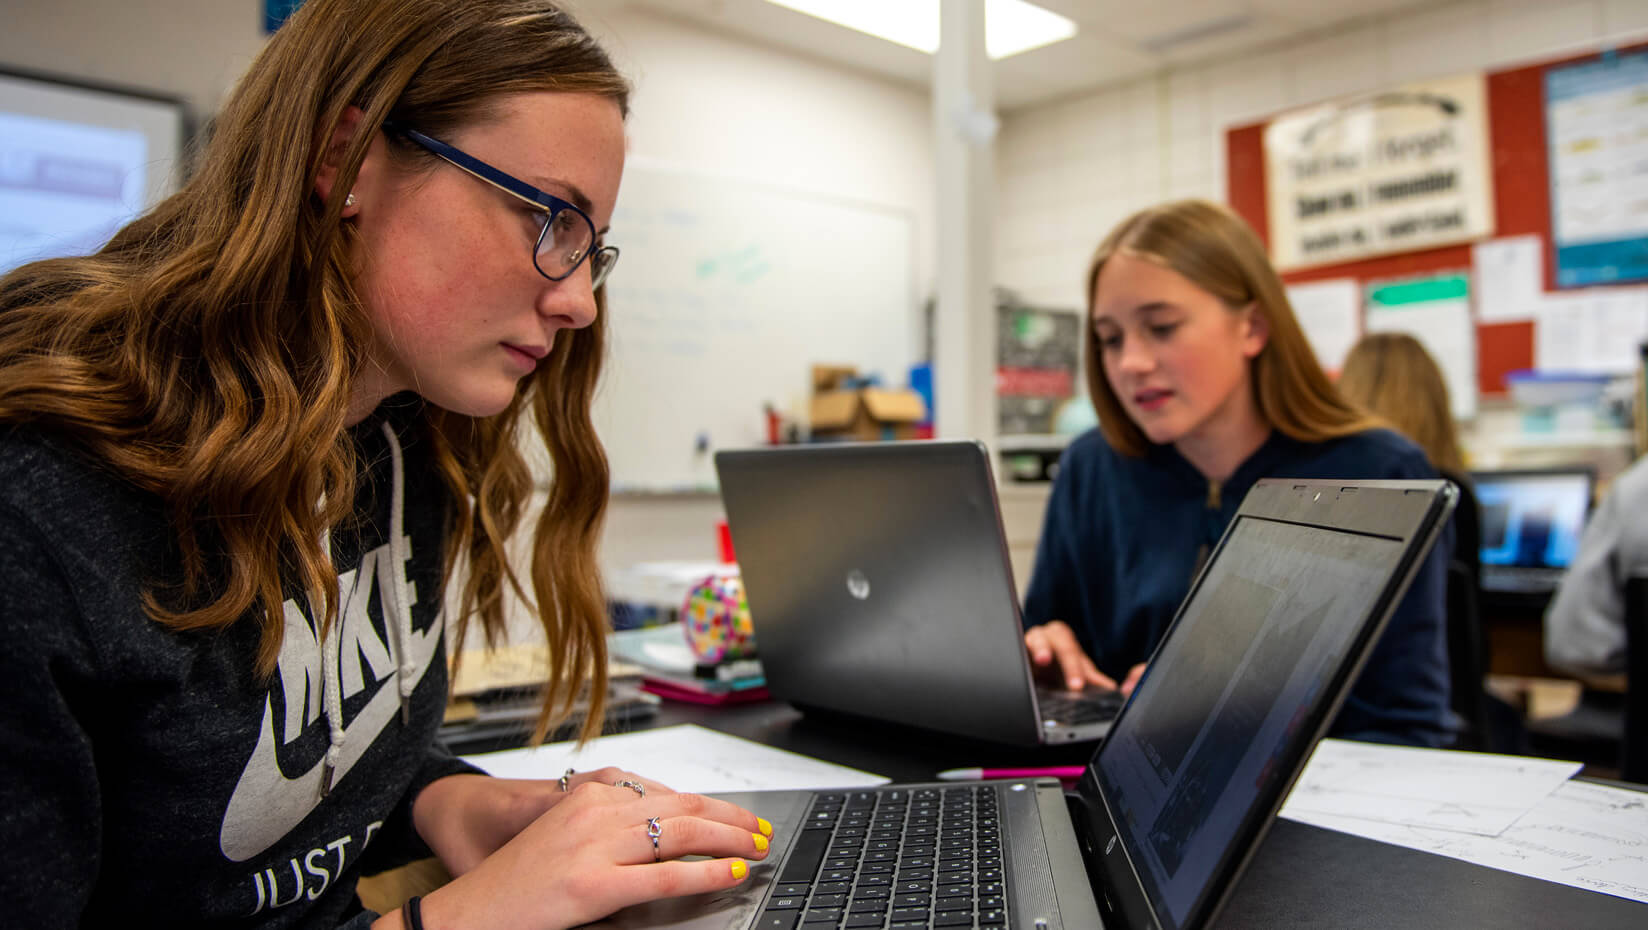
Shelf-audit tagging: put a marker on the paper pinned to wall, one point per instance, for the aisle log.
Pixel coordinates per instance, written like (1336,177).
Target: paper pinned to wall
(1510,278)
(1592,332)
(1330,314)
(1436,310)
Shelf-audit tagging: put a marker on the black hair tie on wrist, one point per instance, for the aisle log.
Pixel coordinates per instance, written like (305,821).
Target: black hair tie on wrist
(412,913)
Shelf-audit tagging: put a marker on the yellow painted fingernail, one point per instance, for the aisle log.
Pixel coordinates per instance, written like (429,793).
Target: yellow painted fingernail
(764,825)
(739,869)
(760,842)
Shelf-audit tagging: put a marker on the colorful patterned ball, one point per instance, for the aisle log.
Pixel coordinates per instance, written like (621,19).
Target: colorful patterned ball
(716,619)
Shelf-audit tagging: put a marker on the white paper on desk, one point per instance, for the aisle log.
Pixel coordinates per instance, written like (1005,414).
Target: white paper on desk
(1510,278)
(685,757)
(1469,792)
(1330,313)
(1588,836)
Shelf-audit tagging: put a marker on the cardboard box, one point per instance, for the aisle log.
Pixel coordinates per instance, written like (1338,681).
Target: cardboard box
(841,412)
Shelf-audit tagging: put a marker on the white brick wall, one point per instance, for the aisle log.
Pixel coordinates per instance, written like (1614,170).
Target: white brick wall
(1071,169)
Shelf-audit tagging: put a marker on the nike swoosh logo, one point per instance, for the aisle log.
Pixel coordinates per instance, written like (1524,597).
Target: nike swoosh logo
(266,804)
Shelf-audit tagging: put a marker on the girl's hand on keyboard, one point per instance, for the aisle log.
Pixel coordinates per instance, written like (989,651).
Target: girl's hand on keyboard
(592,853)
(465,818)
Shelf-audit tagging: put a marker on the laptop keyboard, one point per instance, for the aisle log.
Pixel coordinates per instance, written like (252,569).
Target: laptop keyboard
(1076,708)
(894,859)
(1519,578)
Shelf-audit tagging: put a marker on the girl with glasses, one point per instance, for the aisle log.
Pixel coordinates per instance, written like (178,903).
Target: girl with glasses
(1204,383)
(254,445)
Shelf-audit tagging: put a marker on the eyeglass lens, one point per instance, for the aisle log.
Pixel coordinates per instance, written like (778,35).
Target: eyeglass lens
(566,241)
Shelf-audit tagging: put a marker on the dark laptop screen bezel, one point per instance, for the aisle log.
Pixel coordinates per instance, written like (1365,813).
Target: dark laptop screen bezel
(1410,512)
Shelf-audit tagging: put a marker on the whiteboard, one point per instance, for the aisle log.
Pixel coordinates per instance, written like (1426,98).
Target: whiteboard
(725,295)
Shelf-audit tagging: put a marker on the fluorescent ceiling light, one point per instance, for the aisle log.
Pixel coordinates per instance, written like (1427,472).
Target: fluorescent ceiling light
(1010,26)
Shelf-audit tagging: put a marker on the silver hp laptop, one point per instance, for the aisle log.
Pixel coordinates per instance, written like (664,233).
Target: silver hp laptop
(1531,524)
(1175,802)
(880,586)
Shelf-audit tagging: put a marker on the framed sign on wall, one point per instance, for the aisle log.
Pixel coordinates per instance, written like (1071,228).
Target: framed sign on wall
(1394,171)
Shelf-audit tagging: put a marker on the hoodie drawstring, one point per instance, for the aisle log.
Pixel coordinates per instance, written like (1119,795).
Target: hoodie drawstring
(398,618)
(402,607)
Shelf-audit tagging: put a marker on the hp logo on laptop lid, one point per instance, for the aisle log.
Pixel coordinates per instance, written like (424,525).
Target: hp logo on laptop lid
(858,585)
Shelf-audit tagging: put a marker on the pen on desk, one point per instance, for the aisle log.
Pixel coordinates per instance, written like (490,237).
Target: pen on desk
(1065,772)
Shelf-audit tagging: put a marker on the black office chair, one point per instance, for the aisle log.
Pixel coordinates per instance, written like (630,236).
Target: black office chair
(1465,655)
(1490,724)
(1633,756)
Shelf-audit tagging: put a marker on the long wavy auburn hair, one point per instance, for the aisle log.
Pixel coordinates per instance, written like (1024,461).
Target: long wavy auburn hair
(1392,376)
(207,352)
(1213,249)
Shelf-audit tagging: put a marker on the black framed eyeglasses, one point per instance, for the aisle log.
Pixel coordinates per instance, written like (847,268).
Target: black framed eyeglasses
(568,234)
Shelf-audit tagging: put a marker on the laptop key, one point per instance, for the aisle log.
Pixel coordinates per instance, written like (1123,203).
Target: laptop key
(777,920)
(787,903)
(805,856)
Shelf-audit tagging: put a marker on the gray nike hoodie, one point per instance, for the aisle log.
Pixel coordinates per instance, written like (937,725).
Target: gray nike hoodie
(148,777)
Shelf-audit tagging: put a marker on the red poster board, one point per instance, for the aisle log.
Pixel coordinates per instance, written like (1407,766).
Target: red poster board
(1522,206)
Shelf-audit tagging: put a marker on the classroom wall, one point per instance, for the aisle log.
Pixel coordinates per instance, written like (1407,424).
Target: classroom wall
(704,102)
(193,49)
(1070,169)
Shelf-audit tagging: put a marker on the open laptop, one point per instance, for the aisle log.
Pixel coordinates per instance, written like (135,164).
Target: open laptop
(880,585)
(1531,523)
(1260,656)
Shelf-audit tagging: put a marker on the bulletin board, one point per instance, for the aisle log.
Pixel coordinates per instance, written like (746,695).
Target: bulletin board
(1522,206)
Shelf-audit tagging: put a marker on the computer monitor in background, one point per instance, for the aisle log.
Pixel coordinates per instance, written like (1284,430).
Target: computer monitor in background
(78,162)
(1531,522)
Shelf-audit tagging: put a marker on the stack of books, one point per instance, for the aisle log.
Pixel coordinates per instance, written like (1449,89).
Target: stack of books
(669,669)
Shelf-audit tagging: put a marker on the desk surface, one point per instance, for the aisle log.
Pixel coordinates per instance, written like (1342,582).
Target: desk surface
(1302,875)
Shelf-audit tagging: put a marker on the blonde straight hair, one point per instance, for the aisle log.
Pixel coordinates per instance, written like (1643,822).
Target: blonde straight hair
(1214,250)
(1391,375)
(206,354)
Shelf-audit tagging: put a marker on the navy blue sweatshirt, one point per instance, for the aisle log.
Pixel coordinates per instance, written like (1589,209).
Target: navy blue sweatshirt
(1123,538)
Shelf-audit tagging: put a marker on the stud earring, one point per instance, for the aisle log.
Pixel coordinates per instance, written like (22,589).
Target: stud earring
(349,201)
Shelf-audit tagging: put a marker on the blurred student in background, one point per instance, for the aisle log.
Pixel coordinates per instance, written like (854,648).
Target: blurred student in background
(1204,383)
(1585,624)
(1392,376)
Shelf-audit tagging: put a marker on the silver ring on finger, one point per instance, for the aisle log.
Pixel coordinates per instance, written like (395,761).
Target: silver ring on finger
(655,829)
(639,789)
(565,778)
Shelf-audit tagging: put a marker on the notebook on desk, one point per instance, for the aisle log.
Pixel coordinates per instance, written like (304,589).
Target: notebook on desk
(880,586)
(1174,803)
(1531,523)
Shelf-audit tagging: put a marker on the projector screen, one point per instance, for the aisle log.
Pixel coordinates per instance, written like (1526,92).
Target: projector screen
(77,163)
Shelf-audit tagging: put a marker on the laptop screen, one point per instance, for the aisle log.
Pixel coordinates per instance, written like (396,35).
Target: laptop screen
(1532,520)
(1222,709)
